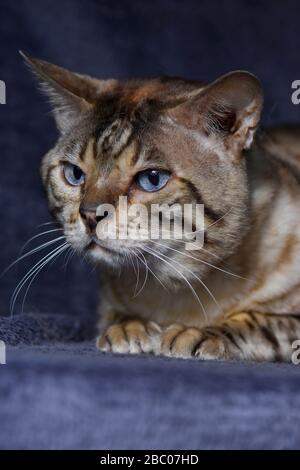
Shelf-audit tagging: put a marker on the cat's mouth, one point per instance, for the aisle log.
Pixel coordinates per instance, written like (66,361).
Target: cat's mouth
(95,245)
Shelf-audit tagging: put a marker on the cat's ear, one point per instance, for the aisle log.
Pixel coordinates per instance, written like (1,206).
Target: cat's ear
(70,94)
(228,109)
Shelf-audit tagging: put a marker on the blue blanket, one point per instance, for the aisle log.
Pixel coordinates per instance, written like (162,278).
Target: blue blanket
(66,395)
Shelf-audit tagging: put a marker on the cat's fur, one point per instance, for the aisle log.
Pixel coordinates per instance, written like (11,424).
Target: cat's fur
(247,275)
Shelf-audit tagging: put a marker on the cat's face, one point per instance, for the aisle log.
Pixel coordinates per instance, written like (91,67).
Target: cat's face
(160,141)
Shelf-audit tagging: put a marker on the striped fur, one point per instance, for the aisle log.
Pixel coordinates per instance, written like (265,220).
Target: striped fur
(238,297)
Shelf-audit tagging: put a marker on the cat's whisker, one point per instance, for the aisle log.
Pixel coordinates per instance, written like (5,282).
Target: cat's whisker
(178,240)
(196,277)
(53,257)
(200,249)
(213,223)
(31,252)
(39,235)
(201,260)
(69,255)
(84,258)
(151,271)
(53,222)
(31,272)
(154,253)
(136,293)
(136,269)
(221,218)
(196,231)
(207,263)
(145,279)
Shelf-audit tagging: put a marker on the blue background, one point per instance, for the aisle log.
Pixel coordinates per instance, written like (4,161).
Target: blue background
(196,39)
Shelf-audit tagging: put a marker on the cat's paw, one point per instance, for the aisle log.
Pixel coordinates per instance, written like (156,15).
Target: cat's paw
(131,337)
(189,342)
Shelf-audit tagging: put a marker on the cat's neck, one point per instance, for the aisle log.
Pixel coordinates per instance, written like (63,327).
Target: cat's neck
(269,251)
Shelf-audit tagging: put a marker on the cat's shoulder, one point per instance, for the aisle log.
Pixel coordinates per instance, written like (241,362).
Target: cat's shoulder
(283,142)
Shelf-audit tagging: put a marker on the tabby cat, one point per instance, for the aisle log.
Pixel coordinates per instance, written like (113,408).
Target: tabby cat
(167,140)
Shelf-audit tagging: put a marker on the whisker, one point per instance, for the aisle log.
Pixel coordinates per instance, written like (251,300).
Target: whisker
(200,230)
(144,261)
(69,255)
(154,253)
(48,223)
(31,252)
(177,240)
(213,223)
(198,248)
(53,257)
(145,279)
(136,269)
(37,236)
(31,272)
(218,220)
(138,273)
(202,261)
(196,277)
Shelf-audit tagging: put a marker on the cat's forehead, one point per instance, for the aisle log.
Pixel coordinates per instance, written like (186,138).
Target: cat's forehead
(124,123)
(104,148)
(122,151)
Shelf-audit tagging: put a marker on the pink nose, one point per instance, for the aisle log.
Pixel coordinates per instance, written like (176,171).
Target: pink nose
(88,215)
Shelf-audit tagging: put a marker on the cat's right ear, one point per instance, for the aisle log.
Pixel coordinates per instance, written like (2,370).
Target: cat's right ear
(70,94)
(227,111)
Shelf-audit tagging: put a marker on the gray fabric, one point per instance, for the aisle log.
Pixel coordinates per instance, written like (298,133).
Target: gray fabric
(39,328)
(60,394)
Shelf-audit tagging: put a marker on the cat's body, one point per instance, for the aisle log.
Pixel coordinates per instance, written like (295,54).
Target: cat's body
(237,296)
(267,259)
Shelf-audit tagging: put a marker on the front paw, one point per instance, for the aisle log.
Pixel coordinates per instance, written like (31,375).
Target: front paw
(189,342)
(131,337)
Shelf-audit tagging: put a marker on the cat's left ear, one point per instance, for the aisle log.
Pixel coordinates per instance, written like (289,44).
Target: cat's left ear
(228,110)
(70,93)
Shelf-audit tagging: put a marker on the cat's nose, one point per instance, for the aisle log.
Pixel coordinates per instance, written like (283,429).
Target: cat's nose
(90,218)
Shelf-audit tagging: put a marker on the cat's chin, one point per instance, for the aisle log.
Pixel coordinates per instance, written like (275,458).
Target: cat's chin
(98,253)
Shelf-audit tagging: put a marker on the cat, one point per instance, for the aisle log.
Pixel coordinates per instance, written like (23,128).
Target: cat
(170,140)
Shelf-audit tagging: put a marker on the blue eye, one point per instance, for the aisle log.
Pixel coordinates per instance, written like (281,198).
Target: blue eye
(73,174)
(152,180)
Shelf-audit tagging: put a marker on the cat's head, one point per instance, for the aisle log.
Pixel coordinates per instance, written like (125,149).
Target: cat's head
(153,141)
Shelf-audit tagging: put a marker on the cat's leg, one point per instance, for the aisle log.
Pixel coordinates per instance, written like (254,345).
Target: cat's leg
(245,335)
(132,336)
